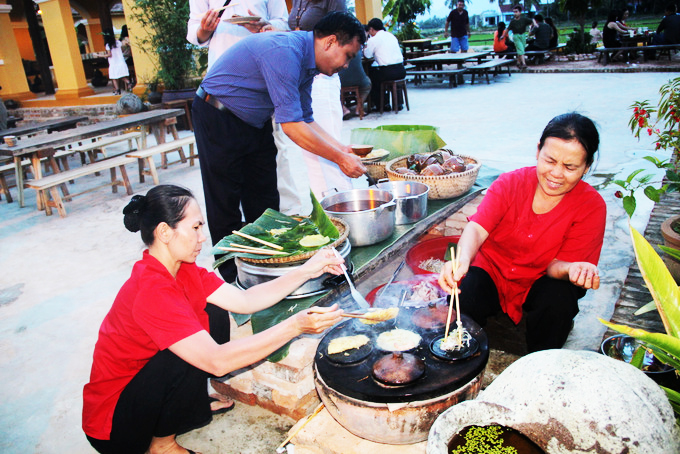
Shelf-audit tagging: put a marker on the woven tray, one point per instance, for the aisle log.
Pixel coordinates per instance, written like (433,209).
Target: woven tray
(441,186)
(342,227)
(376,170)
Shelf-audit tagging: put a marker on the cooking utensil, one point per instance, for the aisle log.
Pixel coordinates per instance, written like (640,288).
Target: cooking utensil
(398,368)
(377,316)
(281,449)
(257,240)
(411,199)
(361,301)
(394,275)
(368,212)
(371,180)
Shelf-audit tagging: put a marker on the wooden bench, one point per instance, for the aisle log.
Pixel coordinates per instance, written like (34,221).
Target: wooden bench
(47,186)
(49,157)
(608,52)
(484,68)
(145,157)
(99,145)
(452,74)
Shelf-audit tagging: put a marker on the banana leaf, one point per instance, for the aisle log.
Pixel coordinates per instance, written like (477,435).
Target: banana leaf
(661,284)
(317,224)
(399,140)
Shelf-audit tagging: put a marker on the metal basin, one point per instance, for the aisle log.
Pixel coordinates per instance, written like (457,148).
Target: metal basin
(411,198)
(368,212)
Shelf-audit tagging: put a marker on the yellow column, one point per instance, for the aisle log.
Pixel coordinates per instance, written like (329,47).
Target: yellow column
(366,10)
(63,43)
(145,63)
(12,77)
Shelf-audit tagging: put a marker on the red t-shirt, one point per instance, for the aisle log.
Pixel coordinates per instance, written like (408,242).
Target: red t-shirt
(521,243)
(151,312)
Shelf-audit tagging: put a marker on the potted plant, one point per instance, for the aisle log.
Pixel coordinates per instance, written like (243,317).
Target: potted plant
(174,54)
(666,294)
(662,123)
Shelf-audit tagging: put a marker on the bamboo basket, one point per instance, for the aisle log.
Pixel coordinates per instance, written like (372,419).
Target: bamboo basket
(342,227)
(441,186)
(376,170)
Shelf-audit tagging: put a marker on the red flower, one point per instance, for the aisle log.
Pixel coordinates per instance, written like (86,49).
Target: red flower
(618,194)
(649,131)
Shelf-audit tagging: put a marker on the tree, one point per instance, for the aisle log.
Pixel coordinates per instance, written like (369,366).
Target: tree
(405,12)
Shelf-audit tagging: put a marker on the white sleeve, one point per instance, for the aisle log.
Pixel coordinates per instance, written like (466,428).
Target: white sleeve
(277,12)
(197,9)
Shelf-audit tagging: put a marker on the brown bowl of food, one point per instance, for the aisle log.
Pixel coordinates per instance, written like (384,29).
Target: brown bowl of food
(361,150)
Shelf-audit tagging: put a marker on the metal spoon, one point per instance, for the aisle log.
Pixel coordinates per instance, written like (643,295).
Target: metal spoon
(353,291)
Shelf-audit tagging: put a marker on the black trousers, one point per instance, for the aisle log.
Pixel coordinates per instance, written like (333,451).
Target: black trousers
(238,168)
(379,74)
(168,396)
(549,308)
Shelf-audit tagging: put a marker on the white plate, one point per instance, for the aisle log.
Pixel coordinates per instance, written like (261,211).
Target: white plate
(238,20)
(375,155)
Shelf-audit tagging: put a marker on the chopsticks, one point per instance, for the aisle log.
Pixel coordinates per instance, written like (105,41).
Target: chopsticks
(257,240)
(454,295)
(316,311)
(249,250)
(222,8)
(290,437)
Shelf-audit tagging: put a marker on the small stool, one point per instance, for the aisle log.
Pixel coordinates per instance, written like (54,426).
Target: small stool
(393,87)
(349,94)
(182,104)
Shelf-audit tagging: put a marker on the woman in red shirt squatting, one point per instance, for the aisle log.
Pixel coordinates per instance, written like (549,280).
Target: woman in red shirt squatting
(167,331)
(532,248)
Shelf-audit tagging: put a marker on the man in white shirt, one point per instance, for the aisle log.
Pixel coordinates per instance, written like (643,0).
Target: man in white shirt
(389,62)
(207,26)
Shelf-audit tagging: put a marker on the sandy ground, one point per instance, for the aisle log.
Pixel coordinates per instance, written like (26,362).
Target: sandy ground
(59,276)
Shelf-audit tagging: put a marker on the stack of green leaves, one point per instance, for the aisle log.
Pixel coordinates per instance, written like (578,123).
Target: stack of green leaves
(280,229)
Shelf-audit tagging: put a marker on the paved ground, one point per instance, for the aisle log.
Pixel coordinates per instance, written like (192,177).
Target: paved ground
(59,276)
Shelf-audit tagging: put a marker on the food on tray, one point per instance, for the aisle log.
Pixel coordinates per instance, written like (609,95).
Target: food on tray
(425,291)
(379,315)
(457,340)
(440,162)
(398,340)
(433,265)
(341,344)
(314,240)
(277,232)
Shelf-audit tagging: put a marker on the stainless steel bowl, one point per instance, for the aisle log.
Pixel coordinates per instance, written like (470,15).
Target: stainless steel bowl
(368,212)
(411,198)
(250,274)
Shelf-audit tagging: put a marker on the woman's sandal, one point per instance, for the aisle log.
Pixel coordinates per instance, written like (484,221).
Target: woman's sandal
(224,409)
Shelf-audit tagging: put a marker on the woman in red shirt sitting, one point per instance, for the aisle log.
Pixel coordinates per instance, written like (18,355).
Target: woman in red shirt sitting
(161,340)
(501,44)
(532,248)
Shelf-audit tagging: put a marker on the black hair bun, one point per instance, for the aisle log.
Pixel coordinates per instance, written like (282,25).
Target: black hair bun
(132,213)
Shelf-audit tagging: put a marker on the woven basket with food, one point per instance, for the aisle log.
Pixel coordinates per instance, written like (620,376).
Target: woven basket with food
(448,174)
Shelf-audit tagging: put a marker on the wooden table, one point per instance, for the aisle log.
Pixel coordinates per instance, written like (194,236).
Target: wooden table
(415,47)
(438,60)
(58,124)
(152,121)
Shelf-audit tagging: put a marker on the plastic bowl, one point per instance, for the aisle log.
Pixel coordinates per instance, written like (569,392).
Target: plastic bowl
(434,248)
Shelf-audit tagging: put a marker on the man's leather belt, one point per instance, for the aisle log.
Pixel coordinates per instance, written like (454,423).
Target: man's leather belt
(210,99)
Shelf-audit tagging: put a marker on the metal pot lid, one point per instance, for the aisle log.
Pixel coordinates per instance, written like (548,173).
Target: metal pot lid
(433,316)
(398,369)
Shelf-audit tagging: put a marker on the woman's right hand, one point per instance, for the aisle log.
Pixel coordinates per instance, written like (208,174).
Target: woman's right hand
(317,322)
(447,278)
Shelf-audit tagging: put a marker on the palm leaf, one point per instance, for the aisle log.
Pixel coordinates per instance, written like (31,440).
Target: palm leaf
(660,283)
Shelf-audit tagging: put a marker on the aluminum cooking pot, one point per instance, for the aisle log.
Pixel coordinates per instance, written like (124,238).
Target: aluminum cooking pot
(368,212)
(411,198)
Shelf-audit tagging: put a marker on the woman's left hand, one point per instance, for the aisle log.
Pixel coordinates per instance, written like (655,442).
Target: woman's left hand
(324,261)
(584,274)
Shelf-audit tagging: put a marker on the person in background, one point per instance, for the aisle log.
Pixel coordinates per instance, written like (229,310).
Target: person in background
(262,75)
(126,48)
(501,43)
(118,70)
(622,21)
(355,76)
(595,34)
(206,28)
(555,37)
(611,33)
(518,26)
(531,249)
(542,34)
(668,31)
(384,47)
(460,28)
(167,331)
